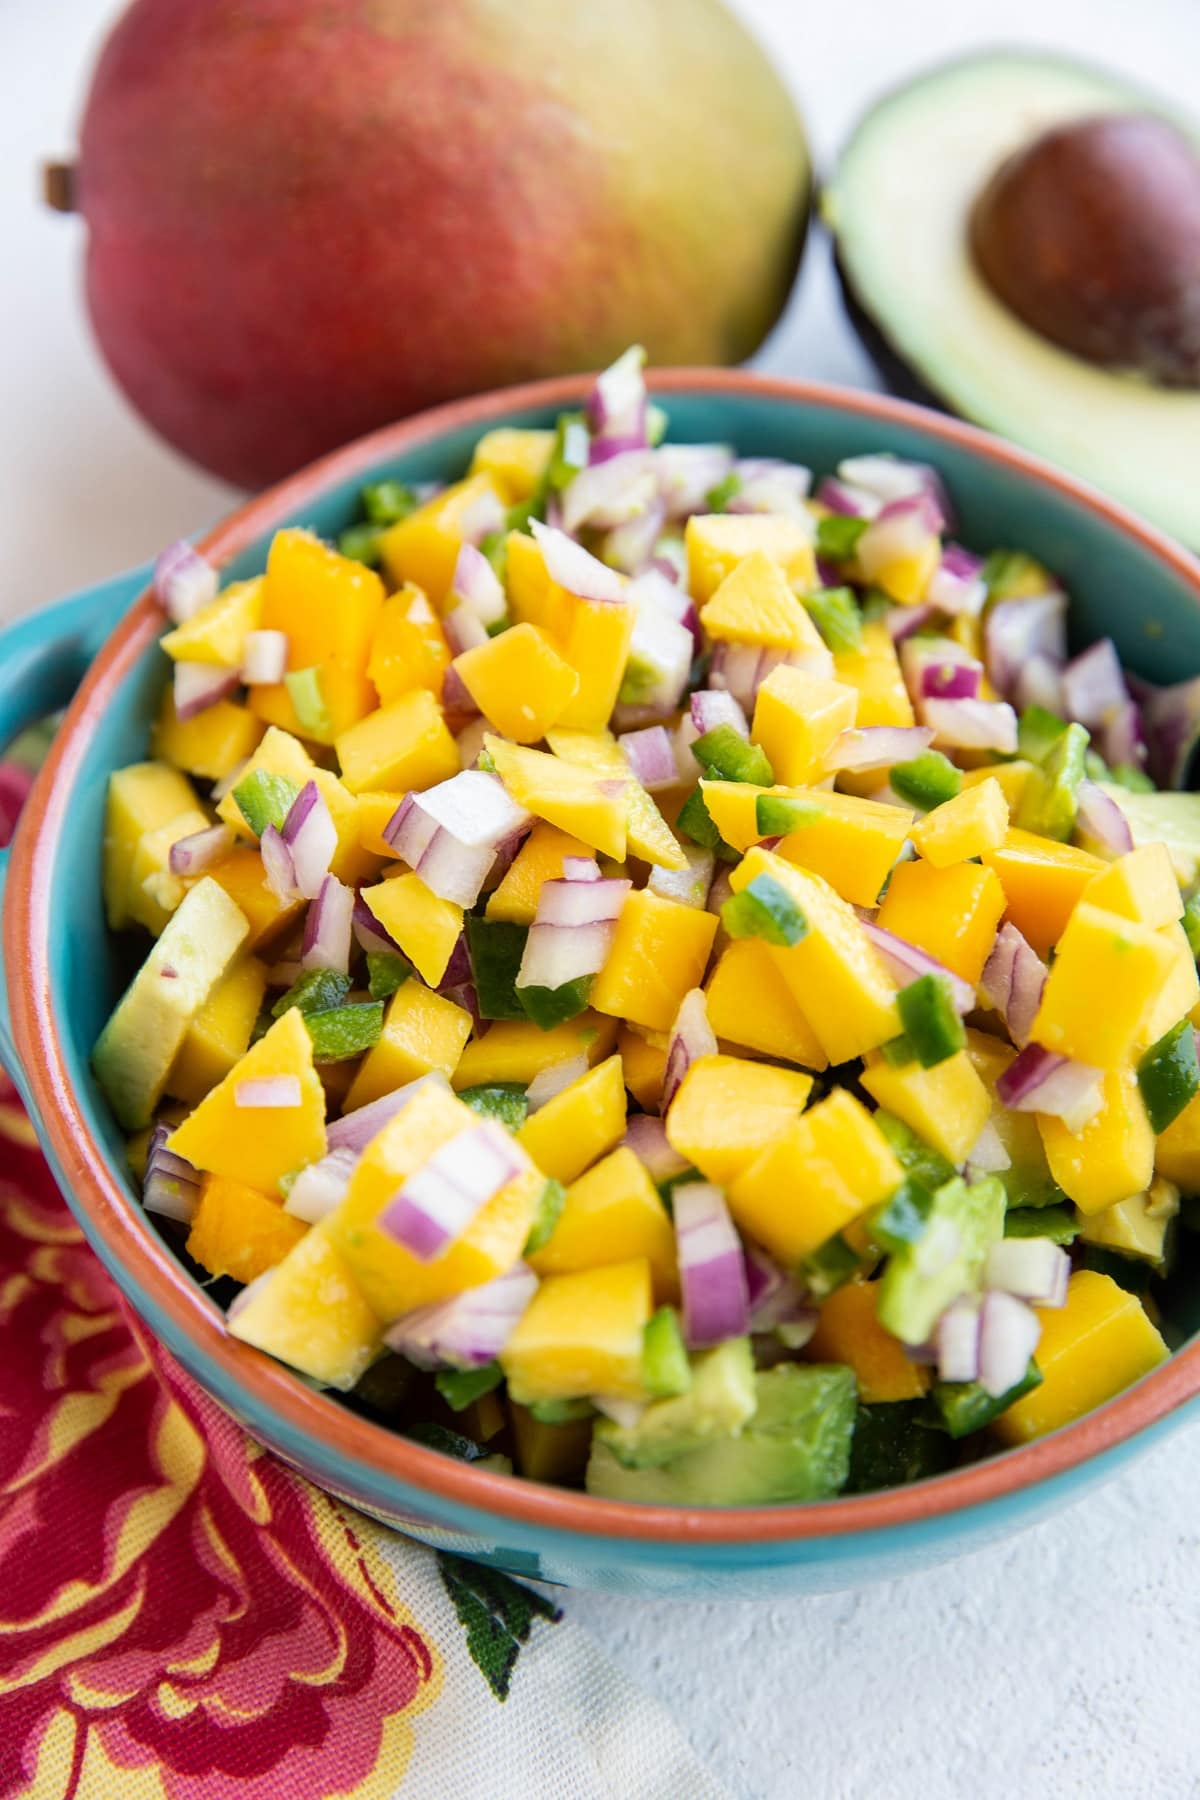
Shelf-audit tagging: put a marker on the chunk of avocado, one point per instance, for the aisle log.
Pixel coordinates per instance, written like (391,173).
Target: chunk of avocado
(895,1443)
(1170,819)
(922,1278)
(718,1404)
(134,1053)
(796,1447)
(936,328)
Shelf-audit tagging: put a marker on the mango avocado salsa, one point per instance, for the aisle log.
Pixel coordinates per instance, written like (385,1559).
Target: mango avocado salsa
(661,973)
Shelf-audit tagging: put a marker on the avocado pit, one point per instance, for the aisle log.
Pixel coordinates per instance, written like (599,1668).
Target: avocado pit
(1090,234)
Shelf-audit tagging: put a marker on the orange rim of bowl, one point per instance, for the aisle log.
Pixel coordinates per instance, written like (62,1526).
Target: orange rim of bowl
(153,1268)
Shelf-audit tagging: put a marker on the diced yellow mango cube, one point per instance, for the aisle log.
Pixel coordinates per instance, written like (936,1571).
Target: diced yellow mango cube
(422,1032)
(727,1109)
(405,745)
(644,1064)
(141,799)
(748,1005)
(539,859)
(952,913)
(1137,1226)
(220,1032)
(659,953)
(519,682)
(851,843)
(717,542)
(376,810)
(329,607)
(243,878)
(755,605)
(311,1315)
(154,892)
(1042,882)
(409,648)
(582,1334)
(648,834)
(1179,990)
(393,1280)
(515,459)
(849,1332)
(569,797)
(533,599)
(611,1213)
(833,973)
(829,1166)
(907,578)
(580,1123)
(1141,885)
(1112,1156)
(1101,986)
(239,1231)
(553,1453)
(279,753)
(511,1050)
(974,821)
(259,1144)
(1092,1348)
(1013,778)
(873,670)
(1177,1155)
(947,1105)
(212,743)
(797,716)
(594,638)
(424,547)
(425,926)
(217,633)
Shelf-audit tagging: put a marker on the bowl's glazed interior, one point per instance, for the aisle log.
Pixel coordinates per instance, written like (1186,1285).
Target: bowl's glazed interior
(1122,582)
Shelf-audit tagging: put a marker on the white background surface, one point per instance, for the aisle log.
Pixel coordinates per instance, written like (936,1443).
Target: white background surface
(1065,1664)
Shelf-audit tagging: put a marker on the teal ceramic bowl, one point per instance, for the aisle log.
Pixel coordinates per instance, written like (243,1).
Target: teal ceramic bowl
(63,976)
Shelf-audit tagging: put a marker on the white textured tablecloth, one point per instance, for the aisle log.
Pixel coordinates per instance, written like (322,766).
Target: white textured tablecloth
(1062,1665)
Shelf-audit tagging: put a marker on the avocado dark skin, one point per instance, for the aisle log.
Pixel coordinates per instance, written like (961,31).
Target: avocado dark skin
(1091,235)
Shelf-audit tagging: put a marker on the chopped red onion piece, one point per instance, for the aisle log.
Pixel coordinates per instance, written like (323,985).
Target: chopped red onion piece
(711,707)
(1093,685)
(580,868)
(611,492)
(877,746)
(1039,683)
(844,498)
(776,1303)
(1100,825)
(469,742)
(652,591)
(487,513)
(456,696)
(712,1270)
(278,866)
(616,407)
(475,808)
(687,887)
(1008,1336)
(172,1185)
(581,902)
(368,932)
(1038,1080)
(476,586)
(1034,1269)
(575,569)
(687,474)
(355,1130)
(1171,716)
(651,756)
(905,963)
(691,1038)
(285,973)
(719,892)
(458,969)
(951,681)
(683,737)
(199,850)
(557,954)
(659,662)
(988,1155)
(670,561)
(957,586)
(903,621)
(1012,981)
(1015,630)
(768,485)
(327,928)
(270,1092)
(438,1201)
(311,836)
(227,783)
(893,478)
(449,834)
(1122,739)
(931,668)
(469,1329)
(197,686)
(957,1341)
(321,1186)
(630,546)
(647,1137)
(548,1082)
(183,581)
(464,631)
(903,530)
(973,724)
(264,658)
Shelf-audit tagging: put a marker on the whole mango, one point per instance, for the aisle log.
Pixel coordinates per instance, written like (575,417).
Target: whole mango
(306,219)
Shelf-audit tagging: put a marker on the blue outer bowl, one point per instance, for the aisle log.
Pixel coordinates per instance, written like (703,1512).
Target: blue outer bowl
(63,977)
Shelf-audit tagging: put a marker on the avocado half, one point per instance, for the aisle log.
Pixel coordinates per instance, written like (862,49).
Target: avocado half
(898,208)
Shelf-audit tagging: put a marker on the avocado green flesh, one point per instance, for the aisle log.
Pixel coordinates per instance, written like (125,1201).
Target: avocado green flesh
(1170,819)
(796,1447)
(719,1402)
(898,207)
